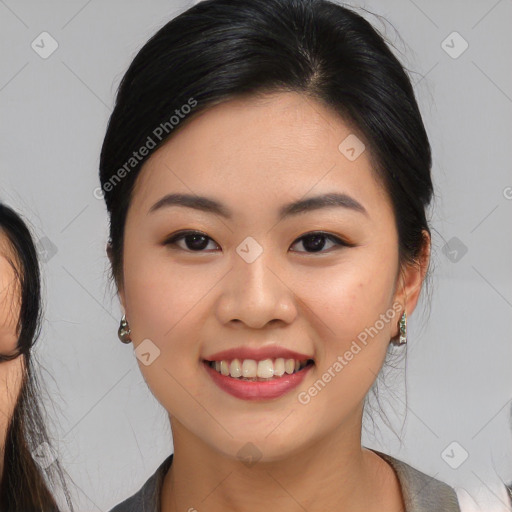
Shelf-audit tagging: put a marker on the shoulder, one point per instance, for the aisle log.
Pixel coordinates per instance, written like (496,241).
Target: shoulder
(421,492)
(147,498)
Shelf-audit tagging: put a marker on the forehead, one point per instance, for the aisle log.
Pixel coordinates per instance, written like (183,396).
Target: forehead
(259,148)
(6,249)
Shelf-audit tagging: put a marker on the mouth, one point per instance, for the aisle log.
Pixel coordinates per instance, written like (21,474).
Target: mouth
(264,370)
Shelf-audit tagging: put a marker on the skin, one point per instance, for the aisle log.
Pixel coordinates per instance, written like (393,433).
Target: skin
(11,372)
(254,155)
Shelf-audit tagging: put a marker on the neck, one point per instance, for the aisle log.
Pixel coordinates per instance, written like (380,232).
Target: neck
(335,473)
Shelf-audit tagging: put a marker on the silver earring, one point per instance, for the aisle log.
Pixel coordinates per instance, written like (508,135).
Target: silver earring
(124,331)
(402,335)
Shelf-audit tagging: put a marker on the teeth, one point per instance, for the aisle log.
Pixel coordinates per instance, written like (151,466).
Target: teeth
(265,369)
(224,368)
(251,369)
(289,365)
(279,367)
(235,368)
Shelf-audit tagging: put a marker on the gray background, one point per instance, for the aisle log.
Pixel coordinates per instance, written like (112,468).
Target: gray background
(109,430)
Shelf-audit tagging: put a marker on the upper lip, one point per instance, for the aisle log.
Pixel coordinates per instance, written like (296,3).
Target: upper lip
(259,354)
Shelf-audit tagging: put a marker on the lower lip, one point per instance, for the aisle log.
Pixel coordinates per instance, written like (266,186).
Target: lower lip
(257,390)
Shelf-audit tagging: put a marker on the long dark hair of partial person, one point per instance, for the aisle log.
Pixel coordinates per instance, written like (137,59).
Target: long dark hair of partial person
(24,485)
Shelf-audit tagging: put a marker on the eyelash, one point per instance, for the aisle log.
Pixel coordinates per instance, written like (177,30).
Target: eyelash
(183,234)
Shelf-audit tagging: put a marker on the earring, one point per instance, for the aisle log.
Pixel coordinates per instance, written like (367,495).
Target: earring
(402,336)
(124,331)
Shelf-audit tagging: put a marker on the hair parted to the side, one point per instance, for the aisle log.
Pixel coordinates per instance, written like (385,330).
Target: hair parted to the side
(222,49)
(23,485)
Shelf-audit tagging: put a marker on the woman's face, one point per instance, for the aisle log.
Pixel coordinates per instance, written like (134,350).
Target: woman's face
(11,372)
(9,299)
(255,283)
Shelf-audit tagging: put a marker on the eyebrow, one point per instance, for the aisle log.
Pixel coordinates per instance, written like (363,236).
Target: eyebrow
(210,205)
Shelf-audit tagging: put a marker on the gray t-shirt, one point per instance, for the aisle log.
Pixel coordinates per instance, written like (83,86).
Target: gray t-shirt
(421,493)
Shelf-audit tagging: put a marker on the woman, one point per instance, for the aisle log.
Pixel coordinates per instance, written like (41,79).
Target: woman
(28,467)
(266,171)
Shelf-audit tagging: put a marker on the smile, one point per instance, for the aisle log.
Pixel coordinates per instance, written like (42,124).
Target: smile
(258,371)
(249,379)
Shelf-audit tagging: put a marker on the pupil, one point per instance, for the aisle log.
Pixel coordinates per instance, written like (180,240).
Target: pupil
(196,238)
(318,242)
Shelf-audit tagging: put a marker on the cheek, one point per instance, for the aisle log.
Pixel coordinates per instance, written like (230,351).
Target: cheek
(352,339)
(165,306)
(159,295)
(169,306)
(9,307)
(349,297)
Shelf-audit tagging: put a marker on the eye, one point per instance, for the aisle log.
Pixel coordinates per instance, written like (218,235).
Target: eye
(316,241)
(194,241)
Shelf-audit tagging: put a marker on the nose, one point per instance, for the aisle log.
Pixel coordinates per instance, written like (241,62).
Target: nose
(256,294)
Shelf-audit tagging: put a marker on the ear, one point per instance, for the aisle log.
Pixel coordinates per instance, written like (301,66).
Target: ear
(410,281)
(119,285)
